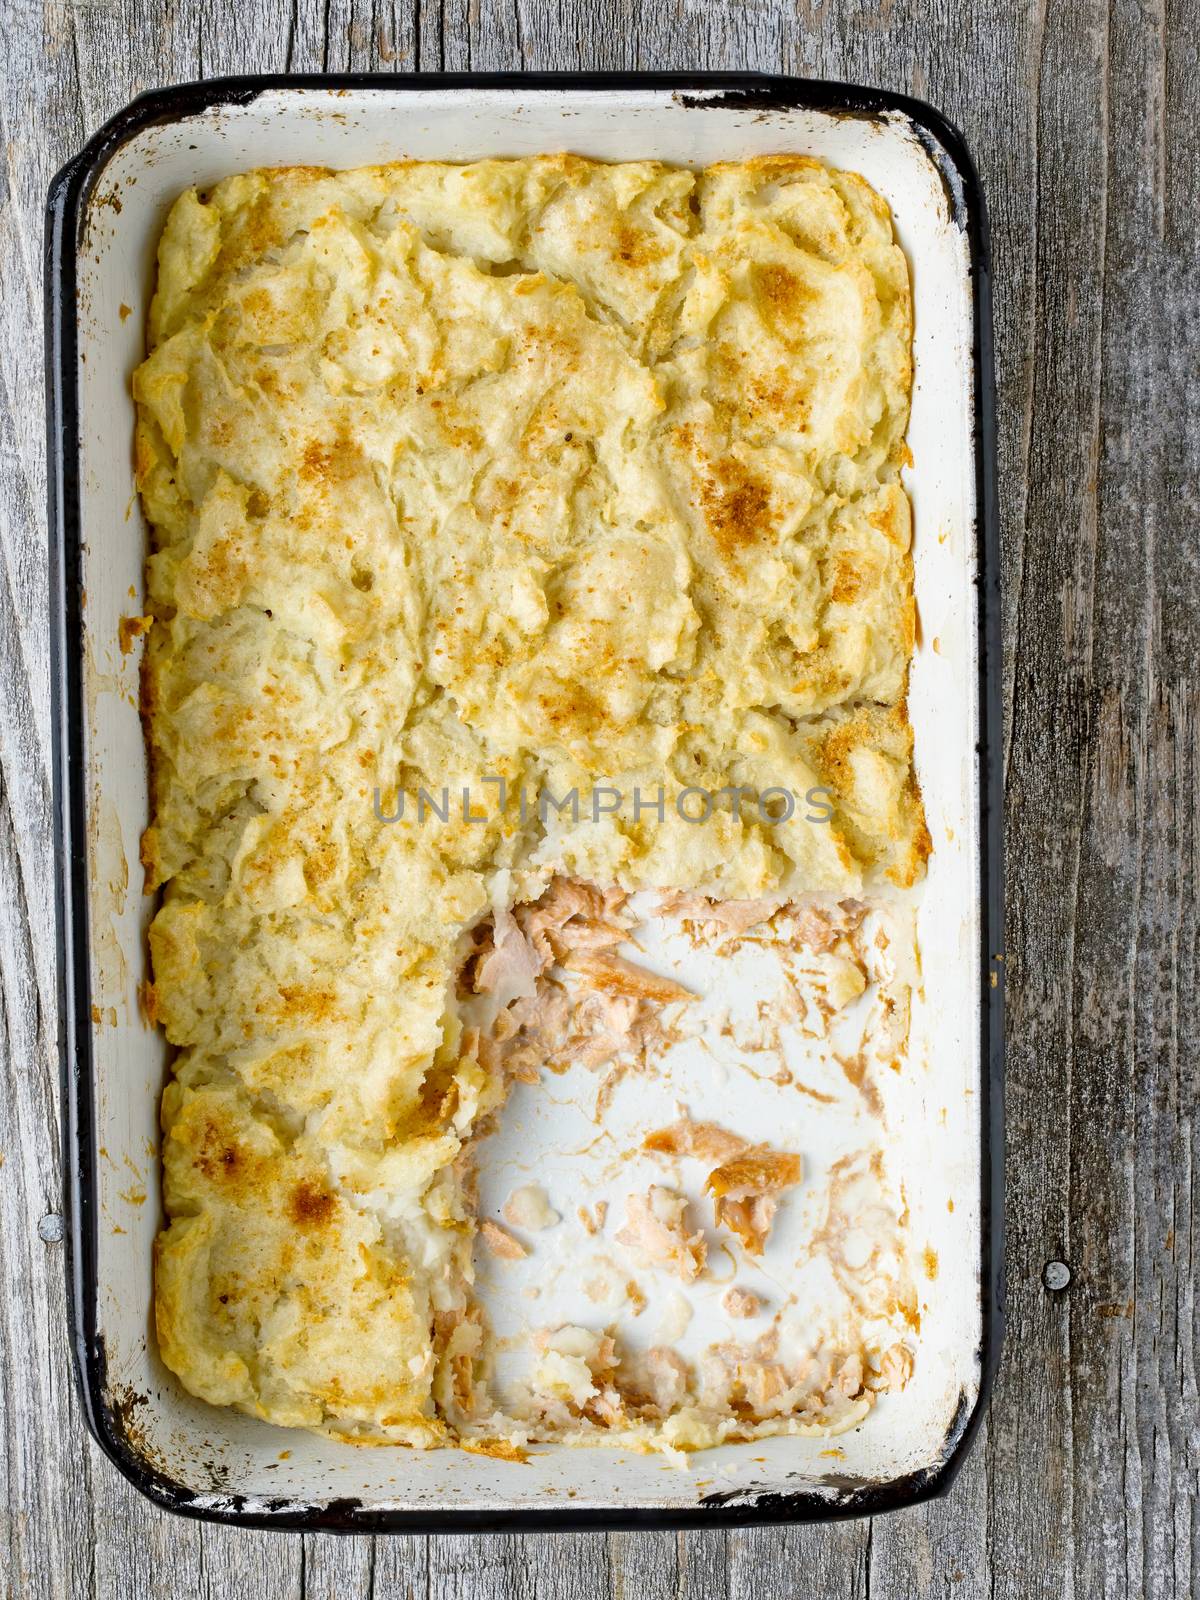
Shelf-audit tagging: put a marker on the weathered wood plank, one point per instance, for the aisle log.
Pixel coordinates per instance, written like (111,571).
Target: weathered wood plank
(43,1551)
(1085,1482)
(1050,391)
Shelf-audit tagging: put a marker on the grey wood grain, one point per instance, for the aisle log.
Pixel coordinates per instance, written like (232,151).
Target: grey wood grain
(1081,118)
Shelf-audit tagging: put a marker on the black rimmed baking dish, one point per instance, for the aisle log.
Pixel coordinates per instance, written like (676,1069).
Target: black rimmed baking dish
(105,210)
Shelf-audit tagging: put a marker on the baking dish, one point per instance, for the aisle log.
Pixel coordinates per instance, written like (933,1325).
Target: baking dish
(105,211)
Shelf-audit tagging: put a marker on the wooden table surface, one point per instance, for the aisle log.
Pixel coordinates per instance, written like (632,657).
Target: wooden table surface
(1083,1482)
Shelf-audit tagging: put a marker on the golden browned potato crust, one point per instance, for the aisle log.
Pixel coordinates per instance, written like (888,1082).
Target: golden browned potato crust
(537,470)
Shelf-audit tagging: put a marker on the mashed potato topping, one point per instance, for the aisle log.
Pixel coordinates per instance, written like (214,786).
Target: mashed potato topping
(535,475)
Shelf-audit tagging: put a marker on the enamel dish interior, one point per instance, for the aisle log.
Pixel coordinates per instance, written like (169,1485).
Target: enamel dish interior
(222,1462)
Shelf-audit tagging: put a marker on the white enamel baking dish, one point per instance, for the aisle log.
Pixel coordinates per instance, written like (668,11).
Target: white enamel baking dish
(106,209)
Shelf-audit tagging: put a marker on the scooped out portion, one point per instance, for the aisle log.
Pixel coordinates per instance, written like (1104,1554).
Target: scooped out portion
(676,1281)
(528,539)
